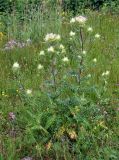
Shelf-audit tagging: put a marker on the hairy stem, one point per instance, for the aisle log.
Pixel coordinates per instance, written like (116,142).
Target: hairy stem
(53,72)
(82,48)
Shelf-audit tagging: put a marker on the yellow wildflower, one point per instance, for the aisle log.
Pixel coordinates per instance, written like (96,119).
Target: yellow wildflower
(102,124)
(72,134)
(48,145)
(1,35)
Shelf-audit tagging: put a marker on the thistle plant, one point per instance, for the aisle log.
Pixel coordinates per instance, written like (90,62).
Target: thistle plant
(52,39)
(80,22)
(63,107)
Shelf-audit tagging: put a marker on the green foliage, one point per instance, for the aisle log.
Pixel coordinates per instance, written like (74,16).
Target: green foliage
(75,6)
(111,6)
(80,6)
(18,5)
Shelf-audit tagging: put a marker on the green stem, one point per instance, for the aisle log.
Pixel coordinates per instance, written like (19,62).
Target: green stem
(53,70)
(82,48)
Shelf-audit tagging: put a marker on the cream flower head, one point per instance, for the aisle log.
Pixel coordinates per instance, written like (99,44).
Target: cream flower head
(72,33)
(42,53)
(80,19)
(28,91)
(65,59)
(84,52)
(16,66)
(51,49)
(97,35)
(61,46)
(52,37)
(90,29)
(40,67)
(94,60)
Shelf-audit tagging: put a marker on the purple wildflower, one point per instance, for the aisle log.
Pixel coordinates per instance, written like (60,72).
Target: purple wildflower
(11,116)
(16,44)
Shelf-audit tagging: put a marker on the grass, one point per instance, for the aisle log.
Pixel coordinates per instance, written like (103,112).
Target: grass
(61,119)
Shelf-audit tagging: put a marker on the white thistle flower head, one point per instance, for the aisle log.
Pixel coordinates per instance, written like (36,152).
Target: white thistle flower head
(84,52)
(65,59)
(72,33)
(81,20)
(52,37)
(61,46)
(90,29)
(16,66)
(58,37)
(107,73)
(63,50)
(79,57)
(51,49)
(72,20)
(42,53)
(89,75)
(97,36)
(28,41)
(28,91)
(94,60)
(40,67)
(103,74)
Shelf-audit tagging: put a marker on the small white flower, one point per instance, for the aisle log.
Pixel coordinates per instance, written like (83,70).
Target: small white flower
(63,50)
(28,91)
(28,41)
(51,49)
(79,57)
(42,53)
(72,20)
(16,66)
(107,73)
(97,36)
(94,60)
(84,52)
(65,59)
(61,46)
(90,29)
(81,20)
(103,74)
(72,33)
(52,37)
(58,37)
(40,67)
(89,75)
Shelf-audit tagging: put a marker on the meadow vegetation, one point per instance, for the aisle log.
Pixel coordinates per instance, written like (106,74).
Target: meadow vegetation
(59,85)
